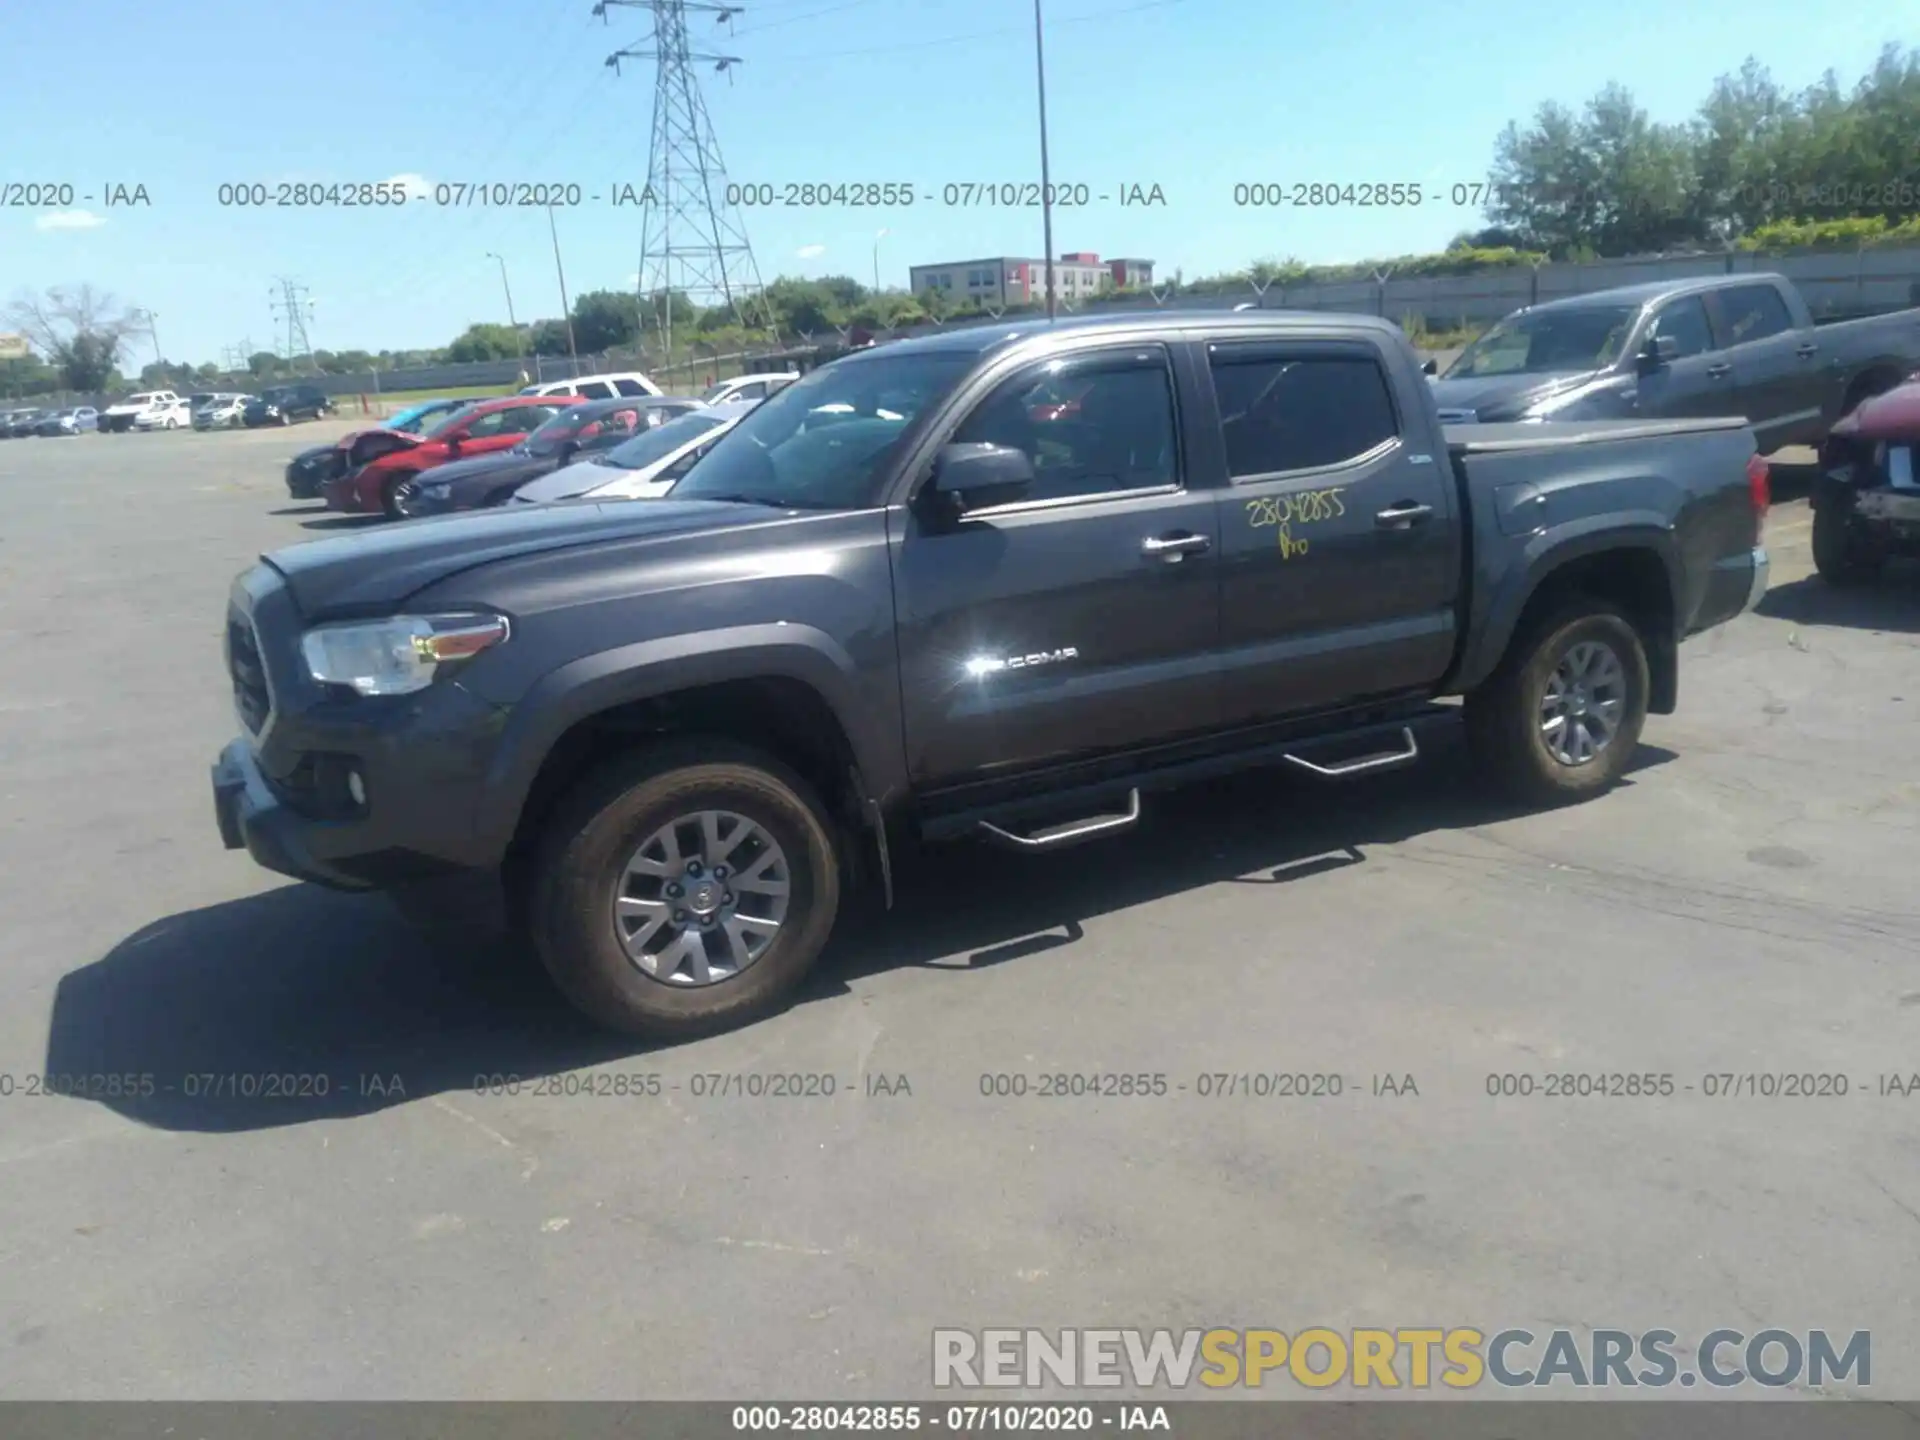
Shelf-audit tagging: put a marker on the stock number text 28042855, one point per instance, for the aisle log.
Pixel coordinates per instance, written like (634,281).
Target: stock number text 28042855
(1286,515)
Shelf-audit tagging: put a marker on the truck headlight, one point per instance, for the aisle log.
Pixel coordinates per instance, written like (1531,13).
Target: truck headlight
(399,655)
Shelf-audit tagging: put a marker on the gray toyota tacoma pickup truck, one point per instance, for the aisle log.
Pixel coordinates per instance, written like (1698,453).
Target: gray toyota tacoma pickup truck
(997,583)
(1718,345)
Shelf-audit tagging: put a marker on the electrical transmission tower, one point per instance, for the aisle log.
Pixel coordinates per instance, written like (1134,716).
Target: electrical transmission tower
(291,306)
(691,241)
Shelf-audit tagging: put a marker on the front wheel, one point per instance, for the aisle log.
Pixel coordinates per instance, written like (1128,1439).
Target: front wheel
(684,889)
(1840,554)
(390,493)
(1560,718)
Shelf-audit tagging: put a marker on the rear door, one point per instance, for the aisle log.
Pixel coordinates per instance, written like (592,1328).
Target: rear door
(1700,380)
(1078,621)
(1339,537)
(1776,367)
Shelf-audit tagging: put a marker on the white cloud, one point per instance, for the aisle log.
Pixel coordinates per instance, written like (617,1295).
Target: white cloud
(68,220)
(418,187)
(810,252)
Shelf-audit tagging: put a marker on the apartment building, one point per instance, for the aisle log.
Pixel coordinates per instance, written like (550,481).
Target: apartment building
(1014,280)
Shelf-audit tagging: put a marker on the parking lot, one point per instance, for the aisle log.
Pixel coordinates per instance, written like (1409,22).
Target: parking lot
(1744,905)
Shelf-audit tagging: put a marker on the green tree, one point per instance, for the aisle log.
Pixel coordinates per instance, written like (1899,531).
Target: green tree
(264,365)
(605,320)
(805,306)
(493,342)
(548,337)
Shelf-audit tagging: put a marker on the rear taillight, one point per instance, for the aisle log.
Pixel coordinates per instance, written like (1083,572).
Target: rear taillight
(1759,491)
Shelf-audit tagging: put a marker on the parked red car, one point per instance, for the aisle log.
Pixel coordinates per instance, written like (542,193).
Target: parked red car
(1866,501)
(477,430)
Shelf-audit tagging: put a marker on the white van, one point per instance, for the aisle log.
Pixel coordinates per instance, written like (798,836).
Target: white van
(597,387)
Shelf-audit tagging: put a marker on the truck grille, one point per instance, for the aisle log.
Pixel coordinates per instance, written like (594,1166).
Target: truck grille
(250,694)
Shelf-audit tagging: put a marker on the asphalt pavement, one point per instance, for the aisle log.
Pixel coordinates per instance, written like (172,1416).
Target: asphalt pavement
(653,1223)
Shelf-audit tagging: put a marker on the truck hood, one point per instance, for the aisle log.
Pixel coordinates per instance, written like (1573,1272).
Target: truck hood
(372,571)
(1497,398)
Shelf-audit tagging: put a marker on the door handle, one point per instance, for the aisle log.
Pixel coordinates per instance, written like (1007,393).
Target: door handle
(1173,547)
(1719,372)
(1403,516)
(1808,351)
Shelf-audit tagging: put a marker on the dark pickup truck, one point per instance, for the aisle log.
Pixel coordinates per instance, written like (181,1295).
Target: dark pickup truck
(1722,345)
(917,596)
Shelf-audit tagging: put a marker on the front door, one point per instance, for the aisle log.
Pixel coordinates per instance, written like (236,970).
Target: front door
(1699,381)
(1339,532)
(1081,619)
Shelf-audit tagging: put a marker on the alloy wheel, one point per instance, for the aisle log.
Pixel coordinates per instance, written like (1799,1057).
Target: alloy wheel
(702,898)
(1584,702)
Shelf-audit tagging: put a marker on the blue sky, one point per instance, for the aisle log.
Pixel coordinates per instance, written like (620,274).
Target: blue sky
(1191,95)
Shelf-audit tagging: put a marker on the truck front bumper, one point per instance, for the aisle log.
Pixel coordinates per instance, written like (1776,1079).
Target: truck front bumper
(252,818)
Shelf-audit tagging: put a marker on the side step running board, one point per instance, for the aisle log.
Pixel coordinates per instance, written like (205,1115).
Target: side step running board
(1056,837)
(1366,764)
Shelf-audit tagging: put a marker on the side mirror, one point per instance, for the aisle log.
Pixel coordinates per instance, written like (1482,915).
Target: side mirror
(972,477)
(1658,353)
(453,442)
(1431,367)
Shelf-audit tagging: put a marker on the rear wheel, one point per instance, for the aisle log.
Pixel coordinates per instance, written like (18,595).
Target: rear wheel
(684,889)
(1840,553)
(1560,718)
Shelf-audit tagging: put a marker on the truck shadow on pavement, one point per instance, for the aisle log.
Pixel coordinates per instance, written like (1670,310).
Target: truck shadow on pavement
(1892,604)
(301,1004)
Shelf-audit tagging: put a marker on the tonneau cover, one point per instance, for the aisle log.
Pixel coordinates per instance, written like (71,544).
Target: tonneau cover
(1553,435)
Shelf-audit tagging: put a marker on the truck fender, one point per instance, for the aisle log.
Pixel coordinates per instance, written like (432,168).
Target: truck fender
(1549,553)
(594,684)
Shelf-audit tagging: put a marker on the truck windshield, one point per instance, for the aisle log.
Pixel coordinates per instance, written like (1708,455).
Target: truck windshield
(819,443)
(1543,341)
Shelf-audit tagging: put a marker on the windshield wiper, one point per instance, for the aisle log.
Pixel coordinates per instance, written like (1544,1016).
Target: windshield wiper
(745,500)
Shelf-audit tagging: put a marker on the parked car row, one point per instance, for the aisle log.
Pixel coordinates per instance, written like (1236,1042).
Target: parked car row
(446,456)
(72,420)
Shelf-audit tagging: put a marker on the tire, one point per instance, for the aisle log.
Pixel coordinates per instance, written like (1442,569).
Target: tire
(580,870)
(1505,730)
(1839,554)
(390,493)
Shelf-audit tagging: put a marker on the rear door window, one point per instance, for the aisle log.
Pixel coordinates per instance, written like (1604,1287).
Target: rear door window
(1281,412)
(1752,312)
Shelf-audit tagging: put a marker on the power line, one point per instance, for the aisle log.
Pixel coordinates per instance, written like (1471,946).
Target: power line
(1084,19)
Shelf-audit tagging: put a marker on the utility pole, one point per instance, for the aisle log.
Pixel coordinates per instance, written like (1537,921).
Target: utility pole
(519,345)
(153,334)
(565,308)
(692,241)
(1046,185)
